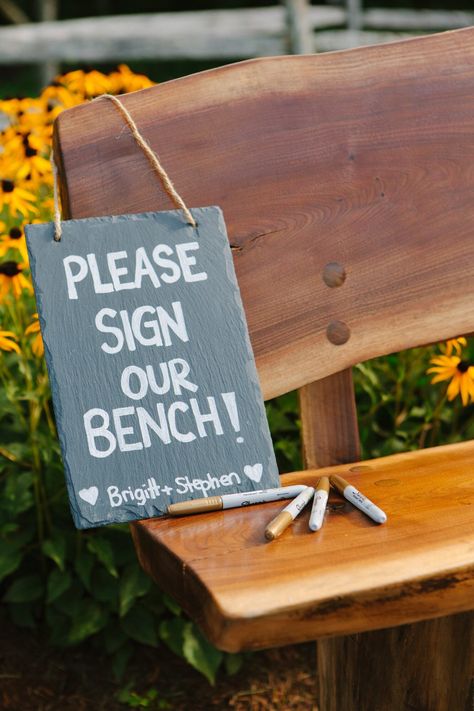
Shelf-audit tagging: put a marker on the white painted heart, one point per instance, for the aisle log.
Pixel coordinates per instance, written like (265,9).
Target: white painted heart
(90,495)
(253,472)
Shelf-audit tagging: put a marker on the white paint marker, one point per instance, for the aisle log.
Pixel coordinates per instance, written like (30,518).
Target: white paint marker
(319,504)
(233,501)
(276,527)
(360,501)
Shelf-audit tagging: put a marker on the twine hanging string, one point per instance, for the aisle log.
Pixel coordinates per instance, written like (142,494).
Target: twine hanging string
(58,230)
(149,153)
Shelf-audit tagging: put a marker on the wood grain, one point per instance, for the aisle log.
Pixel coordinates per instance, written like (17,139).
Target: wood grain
(352,576)
(427,666)
(361,158)
(330,432)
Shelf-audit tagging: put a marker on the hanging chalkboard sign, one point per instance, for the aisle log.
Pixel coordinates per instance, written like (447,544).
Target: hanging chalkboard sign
(154,383)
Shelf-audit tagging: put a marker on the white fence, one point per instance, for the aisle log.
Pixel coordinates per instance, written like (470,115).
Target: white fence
(293,26)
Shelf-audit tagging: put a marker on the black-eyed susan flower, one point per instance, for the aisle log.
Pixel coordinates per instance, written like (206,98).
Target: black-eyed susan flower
(12,280)
(34,164)
(16,199)
(7,342)
(37,345)
(88,84)
(124,80)
(58,97)
(25,114)
(460,372)
(14,238)
(454,345)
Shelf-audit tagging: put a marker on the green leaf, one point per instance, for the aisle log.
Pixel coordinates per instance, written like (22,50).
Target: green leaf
(120,661)
(105,588)
(70,601)
(134,700)
(200,653)
(233,663)
(59,626)
(139,624)
(25,589)
(133,584)
(185,640)
(154,601)
(55,548)
(10,559)
(172,633)
(58,582)
(89,618)
(104,552)
(172,605)
(83,565)
(114,638)
(17,495)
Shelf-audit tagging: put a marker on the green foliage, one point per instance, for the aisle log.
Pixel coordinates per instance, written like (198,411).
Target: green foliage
(81,586)
(183,638)
(147,700)
(400,410)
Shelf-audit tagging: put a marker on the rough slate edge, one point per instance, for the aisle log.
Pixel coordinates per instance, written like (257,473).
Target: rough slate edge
(81,521)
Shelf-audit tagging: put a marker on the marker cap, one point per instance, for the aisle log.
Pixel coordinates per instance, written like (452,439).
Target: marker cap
(323,484)
(276,527)
(339,483)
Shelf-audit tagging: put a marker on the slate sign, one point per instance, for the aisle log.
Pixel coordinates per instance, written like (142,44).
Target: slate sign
(154,384)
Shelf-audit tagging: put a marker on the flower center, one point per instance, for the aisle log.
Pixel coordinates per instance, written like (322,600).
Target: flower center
(30,152)
(15,233)
(8,186)
(463,366)
(9,269)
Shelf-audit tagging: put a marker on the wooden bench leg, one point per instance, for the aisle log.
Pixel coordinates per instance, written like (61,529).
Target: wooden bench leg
(427,666)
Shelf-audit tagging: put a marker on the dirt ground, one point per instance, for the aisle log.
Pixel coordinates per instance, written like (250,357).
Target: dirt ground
(35,677)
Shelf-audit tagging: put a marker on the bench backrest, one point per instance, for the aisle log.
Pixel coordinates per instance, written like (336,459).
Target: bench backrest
(347,185)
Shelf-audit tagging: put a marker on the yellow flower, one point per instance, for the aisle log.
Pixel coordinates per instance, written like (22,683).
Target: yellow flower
(14,239)
(88,84)
(35,165)
(7,343)
(12,280)
(454,344)
(37,345)
(25,144)
(16,199)
(58,97)
(460,372)
(124,80)
(26,114)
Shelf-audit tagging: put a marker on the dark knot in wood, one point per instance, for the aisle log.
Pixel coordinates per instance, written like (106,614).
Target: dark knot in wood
(338,332)
(334,274)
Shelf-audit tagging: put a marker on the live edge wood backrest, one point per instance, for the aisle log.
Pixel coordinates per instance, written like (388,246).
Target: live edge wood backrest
(347,185)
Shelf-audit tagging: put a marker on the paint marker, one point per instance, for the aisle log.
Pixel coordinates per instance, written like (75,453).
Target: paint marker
(276,527)
(233,501)
(319,504)
(360,501)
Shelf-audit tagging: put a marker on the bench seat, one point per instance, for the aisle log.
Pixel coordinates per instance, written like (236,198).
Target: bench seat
(353,575)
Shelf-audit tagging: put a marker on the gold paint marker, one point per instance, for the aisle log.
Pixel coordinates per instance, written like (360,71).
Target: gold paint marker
(319,504)
(281,522)
(233,501)
(360,501)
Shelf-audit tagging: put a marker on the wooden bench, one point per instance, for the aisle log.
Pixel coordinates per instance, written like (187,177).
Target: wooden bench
(347,183)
